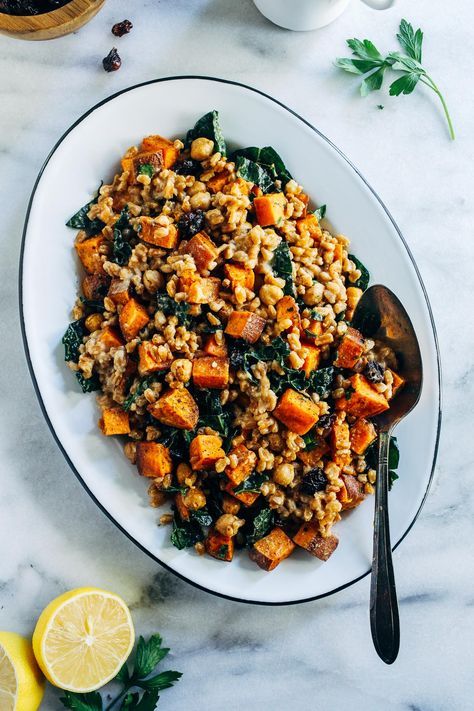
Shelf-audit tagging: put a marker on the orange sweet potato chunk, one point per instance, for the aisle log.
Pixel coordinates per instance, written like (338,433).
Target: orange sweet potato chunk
(309,538)
(248,498)
(213,348)
(269,551)
(204,451)
(176,408)
(110,338)
(362,435)
(199,290)
(217,182)
(211,372)
(312,456)
(219,546)
(114,421)
(158,143)
(181,507)
(119,291)
(270,208)
(311,359)
(351,494)
(350,349)
(309,225)
(397,383)
(246,325)
(132,318)
(364,399)
(239,275)
(150,232)
(88,253)
(287,308)
(203,249)
(148,359)
(296,411)
(246,460)
(94,286)
(153,460)
(340,440)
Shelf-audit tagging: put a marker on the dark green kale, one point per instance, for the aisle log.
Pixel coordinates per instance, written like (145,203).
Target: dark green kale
(212,413)
(170,307)
(123,233)
(143,385)
(266,158)
(282,266)
(243,355)
(177,441)
(320,212)
(80,220)
(208,126)
(258,527)
(252,483)
(255,173)
(320,381)
(201,516)
(363,281)
(371,457)
(72,339)
(88,385)
(93,305)
(185,533)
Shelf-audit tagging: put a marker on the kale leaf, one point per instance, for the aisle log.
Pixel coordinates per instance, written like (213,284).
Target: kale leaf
(201,516)
(170,307)
(252,483)
(88,385)
(320,212)
(266,158)
(72,339)
(363,281)
(255,173)
(140,389)
(121,247)
(321,381)
(80,220)
(208,126)
(177,441)
(371,457)
(283,267)
(243,356)
(259,526)
(211,412)
(185,533)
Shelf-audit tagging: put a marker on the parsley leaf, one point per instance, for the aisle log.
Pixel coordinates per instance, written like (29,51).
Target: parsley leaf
(282,266)
(146,169)
(81,221)
(368,61)
(133,702)
(82,702)
(161,681)
(148,655)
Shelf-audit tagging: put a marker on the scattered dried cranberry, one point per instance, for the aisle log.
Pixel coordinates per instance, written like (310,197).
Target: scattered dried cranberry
(122,28)
(315,480)
(190,223)
(373,371)
(325,422)
(112,61)
(188,166)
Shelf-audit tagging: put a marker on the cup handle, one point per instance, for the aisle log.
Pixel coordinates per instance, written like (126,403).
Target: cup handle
(379,4)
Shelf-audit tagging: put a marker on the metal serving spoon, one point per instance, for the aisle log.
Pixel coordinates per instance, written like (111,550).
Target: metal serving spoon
(381,316)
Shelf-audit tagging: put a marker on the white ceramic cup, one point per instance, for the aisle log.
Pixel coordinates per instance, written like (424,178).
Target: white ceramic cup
(309,14)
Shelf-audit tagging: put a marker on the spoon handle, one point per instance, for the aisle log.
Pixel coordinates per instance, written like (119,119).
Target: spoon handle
(384,621)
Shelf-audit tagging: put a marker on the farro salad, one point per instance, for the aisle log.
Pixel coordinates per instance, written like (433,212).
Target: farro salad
(215,324)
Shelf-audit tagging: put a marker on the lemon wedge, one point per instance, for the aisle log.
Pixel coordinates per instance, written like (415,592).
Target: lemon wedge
(82,639)
(21,682)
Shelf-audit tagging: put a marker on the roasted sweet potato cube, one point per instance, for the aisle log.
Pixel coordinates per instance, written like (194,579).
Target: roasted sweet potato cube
(352,492)
(94,286)
(296,411)
(246,325)
(114,421)
(204,451)
(338,252)
(269,551)
(213,348)
(176,408)
(340,444)
(202,291)
(181,507)
(350,349)
(211,372)
(397,383)
(314,329)
(158,143)
(88,253)
(153,460)
(203,249)
(287,308)
(238,275)
(270,209)
(110,338)
(217,182)
(246,460)
(311,359)
(312,456)
(157,235)
(364,400)
(132,318)
(248,498)
(309,538)
(149,360)
(309,226)
(362,435)
(219,546)
(119,291)
(353,294)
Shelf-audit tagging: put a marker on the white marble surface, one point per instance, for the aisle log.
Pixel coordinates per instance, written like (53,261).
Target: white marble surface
(53,537)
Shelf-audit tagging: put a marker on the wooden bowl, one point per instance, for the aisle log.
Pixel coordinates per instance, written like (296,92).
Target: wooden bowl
(57,23)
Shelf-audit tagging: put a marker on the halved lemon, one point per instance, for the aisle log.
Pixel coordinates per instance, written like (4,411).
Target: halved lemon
(82,639)
(21,682)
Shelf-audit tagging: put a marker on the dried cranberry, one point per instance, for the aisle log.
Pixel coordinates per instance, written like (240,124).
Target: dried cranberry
(325,422)
(373,371)
(112,61)
(188,166)
(315,480)
(122,28)
(190,223)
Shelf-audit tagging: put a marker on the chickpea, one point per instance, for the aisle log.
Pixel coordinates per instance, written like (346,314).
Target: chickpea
(228,525)
(201,201)
(92,322)
(194,499)
(270,294)
(230,505)
(284,474)
(201,148)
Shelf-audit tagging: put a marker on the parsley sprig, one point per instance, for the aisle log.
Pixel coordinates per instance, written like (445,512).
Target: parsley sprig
(373,65)
(140,690)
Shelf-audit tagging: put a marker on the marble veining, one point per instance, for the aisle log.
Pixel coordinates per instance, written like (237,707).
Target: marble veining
(240,657)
